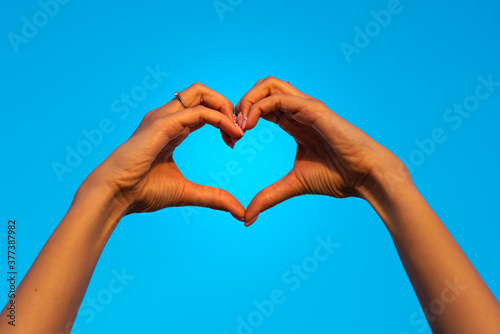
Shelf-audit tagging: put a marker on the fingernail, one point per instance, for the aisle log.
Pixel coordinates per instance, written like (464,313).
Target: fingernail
(238,218)
(244,123)
(238,127)
(239,119)
(252,221)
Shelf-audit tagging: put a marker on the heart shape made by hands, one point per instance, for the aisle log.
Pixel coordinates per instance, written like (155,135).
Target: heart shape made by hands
(333,157)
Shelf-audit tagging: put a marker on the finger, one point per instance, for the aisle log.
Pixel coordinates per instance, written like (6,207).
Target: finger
(227,139)
(237,108)
(163,130)
(307,111)
(261,90)
(213,198)
(192,117)
(301,109)
(274,116)
(258,82)
(286,188)
(255,85)
(172,144)
(196,127)
(195,95)
(199,94)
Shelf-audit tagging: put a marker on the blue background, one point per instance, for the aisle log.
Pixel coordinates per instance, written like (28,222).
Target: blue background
(197,270)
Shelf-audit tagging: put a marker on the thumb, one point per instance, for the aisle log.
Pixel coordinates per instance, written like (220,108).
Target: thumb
(213,198)
(286,188)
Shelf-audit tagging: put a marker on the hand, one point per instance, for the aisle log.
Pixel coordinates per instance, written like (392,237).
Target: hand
(142,171)
(333,158)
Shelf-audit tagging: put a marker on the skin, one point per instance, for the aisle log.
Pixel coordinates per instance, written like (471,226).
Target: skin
(139,176)
(334,158)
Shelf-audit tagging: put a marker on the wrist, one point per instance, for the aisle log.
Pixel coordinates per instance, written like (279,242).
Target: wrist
(388,187)
(96,195)
(92,217)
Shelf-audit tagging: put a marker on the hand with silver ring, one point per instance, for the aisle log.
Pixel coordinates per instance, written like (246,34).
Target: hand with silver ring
(142,171)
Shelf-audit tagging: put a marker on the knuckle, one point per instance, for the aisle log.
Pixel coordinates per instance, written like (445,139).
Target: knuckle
(160,123)
(277,84)
(245,106)
(258,82)
(253,108)
(230,105)
(309,107)
(196,109)
(319,103)
(150,115)
(314,105)
(198,86)
(201,112)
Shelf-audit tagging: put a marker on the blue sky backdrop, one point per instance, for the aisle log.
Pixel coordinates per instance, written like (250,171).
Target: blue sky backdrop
(421,77)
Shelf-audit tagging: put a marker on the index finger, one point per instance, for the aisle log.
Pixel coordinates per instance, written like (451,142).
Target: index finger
(166,128)
(301,109)
(264,88)
(199,94)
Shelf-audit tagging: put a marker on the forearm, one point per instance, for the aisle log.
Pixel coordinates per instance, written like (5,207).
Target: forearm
(50,294)
(451,292)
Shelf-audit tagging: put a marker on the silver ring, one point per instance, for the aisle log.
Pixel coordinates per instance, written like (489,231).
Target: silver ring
(178,96)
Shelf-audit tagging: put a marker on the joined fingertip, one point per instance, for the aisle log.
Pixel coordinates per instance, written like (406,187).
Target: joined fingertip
(247,224)
(244,124)
(238,218)
(239,128)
